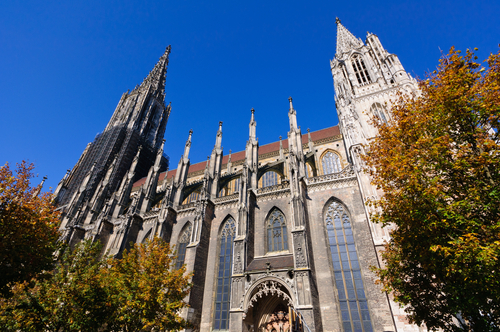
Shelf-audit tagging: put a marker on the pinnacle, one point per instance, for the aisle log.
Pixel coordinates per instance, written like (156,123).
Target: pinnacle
(156,77)
(345,39)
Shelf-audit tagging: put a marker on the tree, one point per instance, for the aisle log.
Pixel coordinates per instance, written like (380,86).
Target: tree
(148,290)
(438,163)
(28,227)
(139,292)
(72,297)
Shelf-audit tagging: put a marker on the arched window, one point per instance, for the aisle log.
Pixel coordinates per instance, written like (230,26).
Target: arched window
(378,111)
(182,243)
(270,178)
(309,171)
(331,163)
(230,188)
(193,197)
(360,70)
(276,231)
(353,304)
(222,298)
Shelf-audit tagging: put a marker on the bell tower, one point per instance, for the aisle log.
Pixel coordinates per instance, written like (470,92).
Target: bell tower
(365,77)
(129,148)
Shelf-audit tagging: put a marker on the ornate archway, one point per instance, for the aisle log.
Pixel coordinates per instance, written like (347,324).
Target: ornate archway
(267,306)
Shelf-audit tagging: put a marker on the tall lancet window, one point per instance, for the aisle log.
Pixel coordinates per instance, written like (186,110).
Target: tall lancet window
(222,297)
(276,231)
(331,163)
(360,70)
(182,244)
(378,111)
(353,304)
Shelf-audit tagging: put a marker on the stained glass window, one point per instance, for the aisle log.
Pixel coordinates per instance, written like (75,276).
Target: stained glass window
(331,163)
(193,197)
(182,244)
(276,232)
(229,189)
(353,304)
(268,179)
(223,288)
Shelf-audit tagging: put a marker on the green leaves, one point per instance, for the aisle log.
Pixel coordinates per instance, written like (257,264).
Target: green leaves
(438,163)
(140,292)
(28,227)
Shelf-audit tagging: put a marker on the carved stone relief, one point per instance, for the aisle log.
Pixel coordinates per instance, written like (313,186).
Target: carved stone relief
(300,258)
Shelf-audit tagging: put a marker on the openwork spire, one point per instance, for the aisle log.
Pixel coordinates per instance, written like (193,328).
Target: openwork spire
(345,39)
(156,77)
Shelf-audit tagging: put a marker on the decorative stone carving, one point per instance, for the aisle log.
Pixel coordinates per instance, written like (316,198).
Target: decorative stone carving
(300,259)
(269,288)
(238,261)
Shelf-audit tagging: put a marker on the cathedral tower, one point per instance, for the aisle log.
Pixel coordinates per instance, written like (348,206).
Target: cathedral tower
(129,145)
(366,77)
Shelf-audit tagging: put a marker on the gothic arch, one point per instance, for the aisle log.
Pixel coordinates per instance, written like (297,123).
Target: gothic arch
(183,241)
(333,166)
(276,227)
(222,224)
(269,178)
(259,287)
(346,270)
(360,68)
(229,185)
(223,273)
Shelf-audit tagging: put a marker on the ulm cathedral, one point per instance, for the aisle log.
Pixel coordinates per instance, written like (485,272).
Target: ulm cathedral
(277,235)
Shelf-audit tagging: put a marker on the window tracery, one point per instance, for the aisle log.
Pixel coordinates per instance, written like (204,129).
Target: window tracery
(193,197)
(331,163)
(230,188)
(276,232)
(182,243)
(353,303)
(360,70)
(378,111)
(224,271)
(270,178)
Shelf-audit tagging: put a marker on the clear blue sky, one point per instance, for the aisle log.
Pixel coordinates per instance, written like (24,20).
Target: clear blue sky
(65,64)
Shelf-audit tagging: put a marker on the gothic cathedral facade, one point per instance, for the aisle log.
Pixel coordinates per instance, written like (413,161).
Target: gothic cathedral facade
(277,235)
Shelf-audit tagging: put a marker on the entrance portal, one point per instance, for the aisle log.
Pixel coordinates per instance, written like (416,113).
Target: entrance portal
(270,309)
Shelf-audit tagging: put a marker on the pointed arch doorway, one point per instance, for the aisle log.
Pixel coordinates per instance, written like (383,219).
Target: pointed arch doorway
(270,309)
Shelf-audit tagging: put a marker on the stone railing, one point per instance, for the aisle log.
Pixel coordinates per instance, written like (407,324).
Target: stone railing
(223,199)
(347,172)
(194,182)
(187,206)
(152,213)
(285,184)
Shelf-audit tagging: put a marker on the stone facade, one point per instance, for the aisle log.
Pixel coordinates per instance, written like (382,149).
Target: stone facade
(277,236)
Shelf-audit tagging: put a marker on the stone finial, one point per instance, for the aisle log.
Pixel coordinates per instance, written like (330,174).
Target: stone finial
(337,20)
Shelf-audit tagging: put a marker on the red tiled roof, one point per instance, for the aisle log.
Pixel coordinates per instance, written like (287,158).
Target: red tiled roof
(267,148)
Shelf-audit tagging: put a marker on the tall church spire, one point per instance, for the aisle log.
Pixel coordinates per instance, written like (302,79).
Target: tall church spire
(345,39)
(156,77)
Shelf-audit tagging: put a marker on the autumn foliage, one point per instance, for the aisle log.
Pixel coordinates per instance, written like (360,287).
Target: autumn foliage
(140,292)
(438,163)
(28,227)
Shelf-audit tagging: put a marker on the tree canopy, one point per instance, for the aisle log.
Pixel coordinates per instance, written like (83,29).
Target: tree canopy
(438,163)
(140,292)
(28,227)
